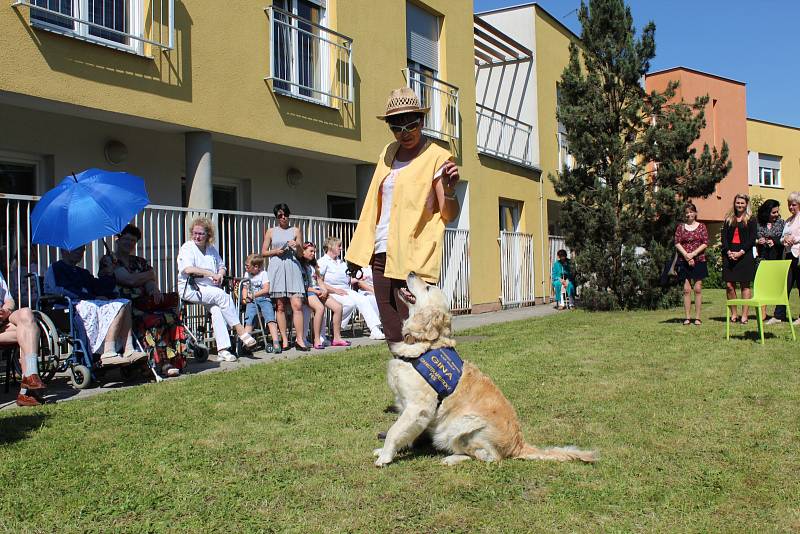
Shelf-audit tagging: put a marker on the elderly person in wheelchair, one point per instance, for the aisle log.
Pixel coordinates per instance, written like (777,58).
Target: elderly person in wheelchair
(154,314)
(18,327)
(200,275)
(103,320)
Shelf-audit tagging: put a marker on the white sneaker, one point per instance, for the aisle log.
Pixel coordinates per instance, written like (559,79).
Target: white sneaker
(375,333)
(225,356)
(773,320)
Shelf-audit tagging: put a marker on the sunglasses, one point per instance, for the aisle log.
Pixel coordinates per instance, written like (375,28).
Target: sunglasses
(400,128)
(309,244)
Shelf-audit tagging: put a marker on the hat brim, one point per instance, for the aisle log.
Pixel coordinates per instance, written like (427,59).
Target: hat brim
(403,111)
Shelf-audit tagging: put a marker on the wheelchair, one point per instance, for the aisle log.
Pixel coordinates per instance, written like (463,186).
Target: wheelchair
(62,348)
(260,332)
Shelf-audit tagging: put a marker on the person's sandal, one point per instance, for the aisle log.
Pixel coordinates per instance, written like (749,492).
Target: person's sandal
(248,341)
(698,322)
(276,348)
(340,343)
(687,322)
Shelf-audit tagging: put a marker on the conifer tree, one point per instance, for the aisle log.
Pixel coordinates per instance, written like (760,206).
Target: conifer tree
(635,166)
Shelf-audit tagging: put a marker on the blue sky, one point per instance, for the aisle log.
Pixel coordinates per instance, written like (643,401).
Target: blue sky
(753,41)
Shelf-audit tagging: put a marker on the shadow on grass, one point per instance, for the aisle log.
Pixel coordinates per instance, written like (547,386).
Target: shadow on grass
(752,335)
(674,320)
(19,427)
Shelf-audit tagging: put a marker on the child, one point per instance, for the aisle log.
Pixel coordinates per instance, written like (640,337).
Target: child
(316,295)
(256,295)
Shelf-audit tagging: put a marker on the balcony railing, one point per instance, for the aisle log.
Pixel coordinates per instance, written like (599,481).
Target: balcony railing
(128,25)
(442,121)
(504,137)
(518,282)
(164,230)
(309,61)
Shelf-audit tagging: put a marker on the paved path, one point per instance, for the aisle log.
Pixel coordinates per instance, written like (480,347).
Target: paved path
(60,389)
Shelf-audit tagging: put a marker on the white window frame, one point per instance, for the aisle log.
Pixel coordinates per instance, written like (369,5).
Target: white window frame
(515,207)
(241,186)
(80,29)
(321,70)
(20,158)
(563,152)
(774,177)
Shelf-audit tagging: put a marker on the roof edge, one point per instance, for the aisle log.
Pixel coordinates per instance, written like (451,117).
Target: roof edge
(696,71)
(772,123)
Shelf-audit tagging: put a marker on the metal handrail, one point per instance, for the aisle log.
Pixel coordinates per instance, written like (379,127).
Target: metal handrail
(169,46)
(450,91)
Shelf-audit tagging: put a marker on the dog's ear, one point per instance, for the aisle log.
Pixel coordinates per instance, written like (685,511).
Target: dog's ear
(432,322)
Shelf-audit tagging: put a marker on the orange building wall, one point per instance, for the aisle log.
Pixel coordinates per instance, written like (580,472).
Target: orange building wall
(726,120)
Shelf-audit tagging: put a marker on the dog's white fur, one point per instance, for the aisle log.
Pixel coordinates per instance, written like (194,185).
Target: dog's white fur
(475,421)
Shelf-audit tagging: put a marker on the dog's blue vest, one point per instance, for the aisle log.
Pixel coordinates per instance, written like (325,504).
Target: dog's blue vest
(441,368)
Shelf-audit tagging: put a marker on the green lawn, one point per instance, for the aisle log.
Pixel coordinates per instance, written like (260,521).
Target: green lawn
(695,434)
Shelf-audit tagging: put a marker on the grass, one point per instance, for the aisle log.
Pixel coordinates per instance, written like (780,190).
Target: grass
(696,434)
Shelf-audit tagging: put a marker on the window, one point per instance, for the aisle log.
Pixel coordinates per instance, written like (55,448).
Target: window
(769,170)
(509,215)
(297,46)
(564,157)
(111,22)
(18,178)
(341,207)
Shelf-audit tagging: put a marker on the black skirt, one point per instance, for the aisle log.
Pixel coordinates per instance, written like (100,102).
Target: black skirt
(741,270)
(698,271)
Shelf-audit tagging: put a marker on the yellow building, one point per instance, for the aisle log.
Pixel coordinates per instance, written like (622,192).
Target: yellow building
(237,107)
(773,160)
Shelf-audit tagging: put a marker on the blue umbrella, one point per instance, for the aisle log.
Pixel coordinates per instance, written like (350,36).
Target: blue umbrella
(87,206)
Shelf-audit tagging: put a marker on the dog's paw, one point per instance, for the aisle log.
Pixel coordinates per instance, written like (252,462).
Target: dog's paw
(454,459)
(377,452)
(382,462)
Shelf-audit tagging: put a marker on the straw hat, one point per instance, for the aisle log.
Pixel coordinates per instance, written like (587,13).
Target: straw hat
(403,100)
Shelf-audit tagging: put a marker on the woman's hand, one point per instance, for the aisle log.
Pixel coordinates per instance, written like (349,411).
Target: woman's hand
(690,261)
(216,278)
(770,243)
(323,293)
(158,296)
(337,291)
(291,243)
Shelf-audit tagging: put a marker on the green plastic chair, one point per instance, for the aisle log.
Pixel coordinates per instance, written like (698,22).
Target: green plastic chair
(769,288)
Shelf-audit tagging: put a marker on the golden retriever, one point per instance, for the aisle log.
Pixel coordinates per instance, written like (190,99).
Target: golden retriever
(475,421)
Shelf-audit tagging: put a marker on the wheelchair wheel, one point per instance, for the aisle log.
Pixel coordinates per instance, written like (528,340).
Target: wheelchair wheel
(81,376)
(49,346)
(198,350)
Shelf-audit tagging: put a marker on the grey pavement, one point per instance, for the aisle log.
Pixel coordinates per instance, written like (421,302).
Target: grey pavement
(59,388)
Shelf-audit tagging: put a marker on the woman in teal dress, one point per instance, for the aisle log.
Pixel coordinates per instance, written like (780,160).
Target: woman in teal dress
(562,275)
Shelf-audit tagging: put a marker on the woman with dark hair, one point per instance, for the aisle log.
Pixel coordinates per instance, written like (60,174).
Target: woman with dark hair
(739,232)
(768,242)
(691,241)
(409,201)
(154,319)
(281,246)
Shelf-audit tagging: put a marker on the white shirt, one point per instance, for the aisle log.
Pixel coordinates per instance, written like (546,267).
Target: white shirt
(334,272)
(4,294)
(191,256)
(257,282)
(387,191)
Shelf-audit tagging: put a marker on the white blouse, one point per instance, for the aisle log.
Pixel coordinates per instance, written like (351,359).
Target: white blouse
(190,255)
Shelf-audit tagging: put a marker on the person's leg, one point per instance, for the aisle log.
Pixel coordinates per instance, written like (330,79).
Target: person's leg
(348,306)
(391,308)
(746,294)
(280,315)
(220,329)
(115,338)
(297,317)
(557,292)
(22,330)
(27,333)
(319,315)
(250,312)
(370,316)
(698,299)
(687,301)
(571,293)
(730,293)
(268,314)
(336,311)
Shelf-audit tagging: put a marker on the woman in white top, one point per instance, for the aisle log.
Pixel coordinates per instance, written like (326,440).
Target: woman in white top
(334,275)
(791,243)
(199,259)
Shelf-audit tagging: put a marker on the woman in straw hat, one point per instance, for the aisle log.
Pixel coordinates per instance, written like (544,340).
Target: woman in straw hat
(410,199)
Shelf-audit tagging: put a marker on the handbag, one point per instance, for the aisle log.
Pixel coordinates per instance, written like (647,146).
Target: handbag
(169,301)
(669,274)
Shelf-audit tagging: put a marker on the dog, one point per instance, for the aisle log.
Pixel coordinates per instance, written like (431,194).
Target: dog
(475,420)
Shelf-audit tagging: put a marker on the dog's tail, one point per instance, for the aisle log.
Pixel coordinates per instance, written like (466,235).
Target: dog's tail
(558,454)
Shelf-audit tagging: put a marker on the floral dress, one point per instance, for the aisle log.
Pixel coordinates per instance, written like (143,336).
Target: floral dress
(158,330)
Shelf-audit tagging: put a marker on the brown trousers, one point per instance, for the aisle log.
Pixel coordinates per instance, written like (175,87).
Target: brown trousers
(391,308)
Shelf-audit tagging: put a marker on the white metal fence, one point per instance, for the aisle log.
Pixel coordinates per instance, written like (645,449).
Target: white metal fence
(124,24)
(309,61)
(517,268)
(442,121)
(504,137)
(164,230)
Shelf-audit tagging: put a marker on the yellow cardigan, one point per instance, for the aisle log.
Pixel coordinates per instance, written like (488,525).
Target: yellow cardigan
(415,233)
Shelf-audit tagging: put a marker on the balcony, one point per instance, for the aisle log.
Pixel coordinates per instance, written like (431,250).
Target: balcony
(129,25)
(442,121)
(504,137)
(309,61)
